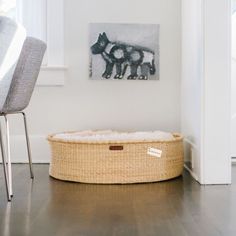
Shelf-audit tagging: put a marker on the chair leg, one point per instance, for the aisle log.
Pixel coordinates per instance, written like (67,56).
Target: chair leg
(4,166)
(28,146)
(8,156)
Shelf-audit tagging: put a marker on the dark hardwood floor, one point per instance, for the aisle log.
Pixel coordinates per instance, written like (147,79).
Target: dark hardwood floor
(181,207)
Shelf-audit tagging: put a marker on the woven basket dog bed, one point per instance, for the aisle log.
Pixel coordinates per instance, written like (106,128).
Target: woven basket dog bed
(116,162)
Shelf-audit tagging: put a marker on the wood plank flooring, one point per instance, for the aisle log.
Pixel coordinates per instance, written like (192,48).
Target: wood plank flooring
(181,207)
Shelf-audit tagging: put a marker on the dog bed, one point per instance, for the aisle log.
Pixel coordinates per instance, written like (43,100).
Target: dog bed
(110,157)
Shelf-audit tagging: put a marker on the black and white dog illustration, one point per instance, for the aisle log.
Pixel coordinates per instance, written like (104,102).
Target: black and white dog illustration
(121,55)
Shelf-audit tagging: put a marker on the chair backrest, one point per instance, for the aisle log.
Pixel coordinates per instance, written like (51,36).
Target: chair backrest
(12,37)
(25,75)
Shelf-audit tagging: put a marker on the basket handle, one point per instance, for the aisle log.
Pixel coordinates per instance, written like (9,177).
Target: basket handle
(116,148)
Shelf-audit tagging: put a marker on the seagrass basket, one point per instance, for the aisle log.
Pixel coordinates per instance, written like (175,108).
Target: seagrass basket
(116,162)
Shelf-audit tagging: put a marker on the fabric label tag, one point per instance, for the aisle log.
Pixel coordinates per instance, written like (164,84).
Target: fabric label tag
(154,152)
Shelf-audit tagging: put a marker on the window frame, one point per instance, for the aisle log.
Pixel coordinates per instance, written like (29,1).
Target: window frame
(53,68)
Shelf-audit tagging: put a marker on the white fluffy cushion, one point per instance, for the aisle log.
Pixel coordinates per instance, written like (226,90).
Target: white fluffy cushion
(109,135)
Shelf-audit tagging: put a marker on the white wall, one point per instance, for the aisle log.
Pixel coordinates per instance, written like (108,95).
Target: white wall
(233,88)
(206,75)
(233,109)
(191,82)
(123,105)
(216,164)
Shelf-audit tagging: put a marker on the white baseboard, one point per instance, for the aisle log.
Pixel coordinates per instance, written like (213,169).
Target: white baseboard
(191,154)
(41,151)
(191,173)
(39,147)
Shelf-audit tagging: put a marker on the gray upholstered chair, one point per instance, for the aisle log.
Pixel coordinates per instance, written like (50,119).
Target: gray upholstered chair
(12,37)
(15,94)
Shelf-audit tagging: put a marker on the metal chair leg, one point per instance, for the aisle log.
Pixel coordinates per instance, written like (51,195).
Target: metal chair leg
(4,166)
(28,146)
(8,156)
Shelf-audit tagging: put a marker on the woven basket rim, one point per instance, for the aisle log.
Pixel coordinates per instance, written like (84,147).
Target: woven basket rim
(177,138)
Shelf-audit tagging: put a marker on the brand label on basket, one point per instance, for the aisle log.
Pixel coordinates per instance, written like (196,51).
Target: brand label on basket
(154,152)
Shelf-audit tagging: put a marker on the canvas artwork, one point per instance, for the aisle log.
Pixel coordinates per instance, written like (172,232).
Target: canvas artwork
(124,51)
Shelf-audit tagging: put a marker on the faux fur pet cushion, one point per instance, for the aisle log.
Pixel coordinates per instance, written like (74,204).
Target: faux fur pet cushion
(109,135)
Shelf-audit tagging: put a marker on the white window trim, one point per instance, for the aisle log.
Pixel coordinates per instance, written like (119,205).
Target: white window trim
(52,76)
(52,32)
(53,73)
